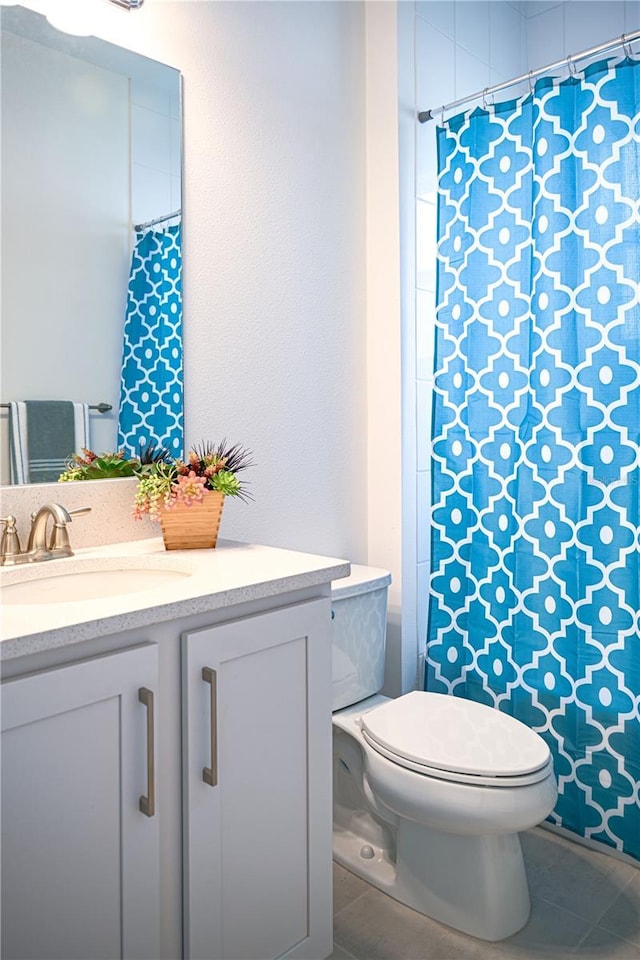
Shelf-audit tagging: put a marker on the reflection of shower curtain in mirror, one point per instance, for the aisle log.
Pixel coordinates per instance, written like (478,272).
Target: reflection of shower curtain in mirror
(152,382)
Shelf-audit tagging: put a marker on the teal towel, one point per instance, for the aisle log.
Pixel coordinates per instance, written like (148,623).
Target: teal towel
(44,434)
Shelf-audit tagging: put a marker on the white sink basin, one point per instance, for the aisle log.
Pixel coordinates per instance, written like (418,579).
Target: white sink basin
(72,585)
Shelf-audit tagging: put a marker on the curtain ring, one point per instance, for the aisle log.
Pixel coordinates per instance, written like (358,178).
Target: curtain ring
(626,46)
(442,115)
(571,65)
(531,85)
(484,98)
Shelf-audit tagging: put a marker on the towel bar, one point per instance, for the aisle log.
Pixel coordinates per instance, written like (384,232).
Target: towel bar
(100,407)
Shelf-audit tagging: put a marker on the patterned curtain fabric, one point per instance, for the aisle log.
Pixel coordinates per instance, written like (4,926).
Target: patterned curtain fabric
(535,587)
(152,383)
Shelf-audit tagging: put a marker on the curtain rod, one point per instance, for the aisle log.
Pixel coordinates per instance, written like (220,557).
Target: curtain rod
(152,223)
(569,61)
(101,407)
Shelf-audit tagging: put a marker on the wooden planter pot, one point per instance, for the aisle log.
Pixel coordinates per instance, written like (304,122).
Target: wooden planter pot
(195,527)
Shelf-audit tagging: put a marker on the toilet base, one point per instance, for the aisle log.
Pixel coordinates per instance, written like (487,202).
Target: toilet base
(475,884)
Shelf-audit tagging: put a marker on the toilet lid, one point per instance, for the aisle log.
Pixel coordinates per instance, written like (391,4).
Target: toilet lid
(447,733)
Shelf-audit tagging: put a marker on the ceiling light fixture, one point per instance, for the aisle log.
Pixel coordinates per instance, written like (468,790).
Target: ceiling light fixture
(79,17)
(72,16)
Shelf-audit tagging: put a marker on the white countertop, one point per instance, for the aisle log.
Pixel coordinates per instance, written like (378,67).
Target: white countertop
(231,574)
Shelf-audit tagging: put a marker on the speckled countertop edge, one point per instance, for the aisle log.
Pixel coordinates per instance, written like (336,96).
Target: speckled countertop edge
(232,574)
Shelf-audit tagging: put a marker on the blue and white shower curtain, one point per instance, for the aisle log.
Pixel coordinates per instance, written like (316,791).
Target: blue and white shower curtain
(152,381)
(535,586)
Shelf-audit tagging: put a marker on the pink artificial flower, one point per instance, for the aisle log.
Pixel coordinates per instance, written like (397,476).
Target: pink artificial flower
(189,489)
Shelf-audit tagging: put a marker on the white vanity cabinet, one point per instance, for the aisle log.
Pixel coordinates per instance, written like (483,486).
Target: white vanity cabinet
(235,861)
(257,786)
(80,859)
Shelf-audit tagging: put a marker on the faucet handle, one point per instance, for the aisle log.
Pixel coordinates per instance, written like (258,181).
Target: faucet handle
(10,543)
(78,512)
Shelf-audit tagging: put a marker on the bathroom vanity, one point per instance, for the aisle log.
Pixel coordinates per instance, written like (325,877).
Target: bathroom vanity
(166,754)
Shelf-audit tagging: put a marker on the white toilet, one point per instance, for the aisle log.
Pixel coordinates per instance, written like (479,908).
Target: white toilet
(430,791)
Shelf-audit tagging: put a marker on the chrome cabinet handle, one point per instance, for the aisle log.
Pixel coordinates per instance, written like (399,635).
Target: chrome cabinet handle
(210,774)
(148,803)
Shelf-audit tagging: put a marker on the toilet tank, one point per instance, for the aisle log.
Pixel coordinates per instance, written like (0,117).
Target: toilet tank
(359,628)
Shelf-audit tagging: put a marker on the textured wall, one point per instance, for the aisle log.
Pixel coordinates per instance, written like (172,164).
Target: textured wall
(274,272)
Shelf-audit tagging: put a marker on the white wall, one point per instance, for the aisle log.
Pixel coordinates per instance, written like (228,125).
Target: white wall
(384,344)
(275,260)
(274,252)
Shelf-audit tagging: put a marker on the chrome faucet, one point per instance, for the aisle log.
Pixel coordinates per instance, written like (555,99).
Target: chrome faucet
(39,547)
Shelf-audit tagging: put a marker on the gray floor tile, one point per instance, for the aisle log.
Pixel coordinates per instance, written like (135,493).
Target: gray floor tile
(346,888)
(573,888)
(602,945)
(550,933)
(580,880)
(376,927)
(542,850)
(340,954)
(623,917)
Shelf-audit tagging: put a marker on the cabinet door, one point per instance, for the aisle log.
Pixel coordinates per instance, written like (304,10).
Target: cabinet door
(257,754)
(80,866)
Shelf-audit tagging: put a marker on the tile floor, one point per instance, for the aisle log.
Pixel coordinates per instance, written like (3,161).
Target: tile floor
(584,905)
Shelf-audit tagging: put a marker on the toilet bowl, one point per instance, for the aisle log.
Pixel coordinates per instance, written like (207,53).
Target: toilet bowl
(431,791)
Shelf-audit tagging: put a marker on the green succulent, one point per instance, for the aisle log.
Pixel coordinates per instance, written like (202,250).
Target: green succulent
(225,482)
(103,466)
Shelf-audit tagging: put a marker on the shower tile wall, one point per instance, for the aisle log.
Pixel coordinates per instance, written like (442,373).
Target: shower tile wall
(462,46)
(155,150)
(554,30)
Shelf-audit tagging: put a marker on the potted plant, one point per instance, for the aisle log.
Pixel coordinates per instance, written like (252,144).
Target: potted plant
(187,496)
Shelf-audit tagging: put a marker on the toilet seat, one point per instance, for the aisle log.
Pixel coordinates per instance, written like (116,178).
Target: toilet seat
(449,738)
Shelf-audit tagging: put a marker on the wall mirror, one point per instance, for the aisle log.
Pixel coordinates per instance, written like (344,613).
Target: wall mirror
(91,154)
